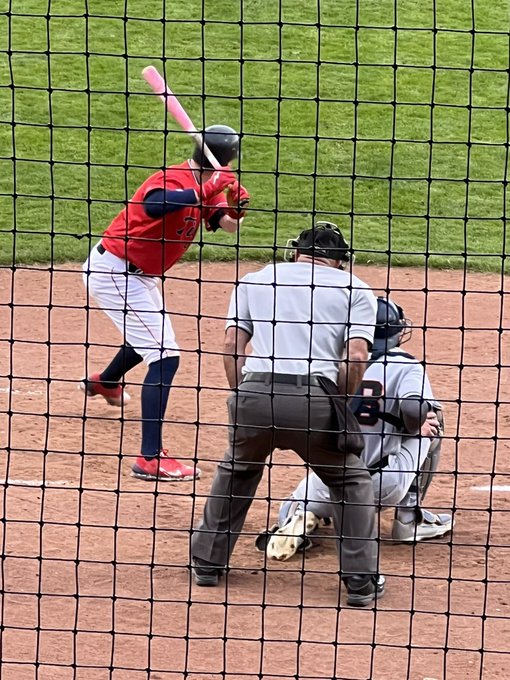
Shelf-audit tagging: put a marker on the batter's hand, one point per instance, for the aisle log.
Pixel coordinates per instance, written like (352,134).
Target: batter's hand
(238,199)
(431,427)
(220,181)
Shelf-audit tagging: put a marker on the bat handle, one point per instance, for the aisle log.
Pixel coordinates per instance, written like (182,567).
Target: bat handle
(199,141)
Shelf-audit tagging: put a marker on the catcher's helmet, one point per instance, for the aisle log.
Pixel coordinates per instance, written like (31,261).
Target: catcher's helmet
(223,142)
(392,328)
(324,239)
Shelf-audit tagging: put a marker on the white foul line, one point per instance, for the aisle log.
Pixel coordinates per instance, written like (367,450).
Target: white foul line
(504,488)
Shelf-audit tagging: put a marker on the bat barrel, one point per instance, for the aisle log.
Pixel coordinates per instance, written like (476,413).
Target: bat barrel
(176,110)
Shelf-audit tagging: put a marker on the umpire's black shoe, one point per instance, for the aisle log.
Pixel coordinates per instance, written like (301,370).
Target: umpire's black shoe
(206,574)
(362,590)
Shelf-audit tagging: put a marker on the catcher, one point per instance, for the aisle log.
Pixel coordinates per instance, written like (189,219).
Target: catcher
(122,273)
(402,425)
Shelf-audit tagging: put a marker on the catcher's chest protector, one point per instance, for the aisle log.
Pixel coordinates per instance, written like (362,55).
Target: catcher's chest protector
(386,382)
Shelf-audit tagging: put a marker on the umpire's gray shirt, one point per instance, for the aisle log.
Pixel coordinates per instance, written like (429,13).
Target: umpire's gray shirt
(300,315)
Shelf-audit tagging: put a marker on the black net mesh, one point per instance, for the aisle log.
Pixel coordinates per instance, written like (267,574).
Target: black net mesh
(387,118)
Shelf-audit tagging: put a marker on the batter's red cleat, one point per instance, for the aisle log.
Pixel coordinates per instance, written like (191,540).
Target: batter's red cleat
(115,396)
(162,468)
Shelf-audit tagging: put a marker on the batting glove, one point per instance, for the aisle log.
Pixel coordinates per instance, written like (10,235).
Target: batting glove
(238,199)
(220,180)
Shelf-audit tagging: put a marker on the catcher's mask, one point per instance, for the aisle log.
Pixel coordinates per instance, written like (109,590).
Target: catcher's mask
(324,239)
(392,328)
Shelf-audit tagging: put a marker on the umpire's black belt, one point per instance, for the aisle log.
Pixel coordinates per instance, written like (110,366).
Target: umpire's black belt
(285,378)
(132,268)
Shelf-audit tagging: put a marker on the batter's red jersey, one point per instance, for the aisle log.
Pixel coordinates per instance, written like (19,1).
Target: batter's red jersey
(156,244)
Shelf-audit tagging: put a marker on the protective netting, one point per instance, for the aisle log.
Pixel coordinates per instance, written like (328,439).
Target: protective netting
(388,118)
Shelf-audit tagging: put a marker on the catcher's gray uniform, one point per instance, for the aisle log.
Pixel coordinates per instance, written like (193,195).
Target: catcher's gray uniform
(393,457)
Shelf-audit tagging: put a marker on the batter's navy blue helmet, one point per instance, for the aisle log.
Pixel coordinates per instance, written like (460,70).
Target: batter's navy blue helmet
(392,328)
(223,141)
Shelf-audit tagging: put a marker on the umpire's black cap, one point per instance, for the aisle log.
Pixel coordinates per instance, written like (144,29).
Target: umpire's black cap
(223,142)
(324,239)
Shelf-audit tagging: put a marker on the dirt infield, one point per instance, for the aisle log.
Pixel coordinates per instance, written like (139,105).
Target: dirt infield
(95,570)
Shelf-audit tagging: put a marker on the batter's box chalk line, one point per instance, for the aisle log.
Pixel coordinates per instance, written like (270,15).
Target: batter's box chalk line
(33,482)
(30,393)
(502,488)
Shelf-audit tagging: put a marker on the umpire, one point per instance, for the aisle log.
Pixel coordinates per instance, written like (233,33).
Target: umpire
(306,320)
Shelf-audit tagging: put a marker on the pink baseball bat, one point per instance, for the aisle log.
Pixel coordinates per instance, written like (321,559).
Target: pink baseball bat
(175,109)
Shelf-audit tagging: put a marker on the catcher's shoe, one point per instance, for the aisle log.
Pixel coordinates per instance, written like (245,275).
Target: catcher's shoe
(265,536)
(115,396)
(427,525)
(286,541)
(162,468)
(362,590)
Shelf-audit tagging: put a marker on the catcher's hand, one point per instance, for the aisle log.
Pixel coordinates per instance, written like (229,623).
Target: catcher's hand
(431,427)
(238,199)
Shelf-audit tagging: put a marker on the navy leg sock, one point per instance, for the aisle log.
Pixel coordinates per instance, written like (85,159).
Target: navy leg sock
(125,359)
(155,392)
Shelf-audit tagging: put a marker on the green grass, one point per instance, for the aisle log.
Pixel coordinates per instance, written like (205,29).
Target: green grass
(399,136)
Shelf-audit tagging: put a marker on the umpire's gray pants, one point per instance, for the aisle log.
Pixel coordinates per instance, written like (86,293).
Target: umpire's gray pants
(263,417)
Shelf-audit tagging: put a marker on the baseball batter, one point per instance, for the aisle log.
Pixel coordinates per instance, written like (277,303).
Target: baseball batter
(124,270)
(401,423)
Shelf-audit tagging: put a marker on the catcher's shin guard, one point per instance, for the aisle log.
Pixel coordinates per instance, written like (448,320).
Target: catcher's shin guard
(431,462)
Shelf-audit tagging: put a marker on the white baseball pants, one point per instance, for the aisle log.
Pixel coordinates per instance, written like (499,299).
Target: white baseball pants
(134,303)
